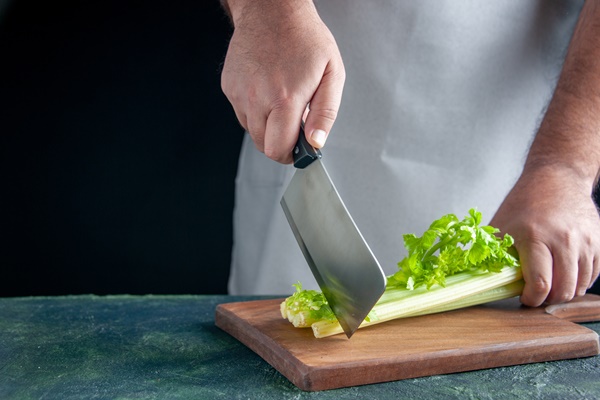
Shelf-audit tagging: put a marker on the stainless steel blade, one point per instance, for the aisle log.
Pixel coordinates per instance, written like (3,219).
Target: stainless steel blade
(340,259)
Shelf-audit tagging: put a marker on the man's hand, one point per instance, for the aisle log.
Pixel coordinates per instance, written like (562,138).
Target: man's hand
(556,227)
(550,211)
(281,58)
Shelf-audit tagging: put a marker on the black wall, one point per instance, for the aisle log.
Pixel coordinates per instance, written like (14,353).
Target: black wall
(118,150)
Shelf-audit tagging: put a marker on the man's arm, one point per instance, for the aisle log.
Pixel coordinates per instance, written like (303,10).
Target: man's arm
(550,210)
(282,57)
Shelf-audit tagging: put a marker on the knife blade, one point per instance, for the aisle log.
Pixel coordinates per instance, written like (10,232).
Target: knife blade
(340,259)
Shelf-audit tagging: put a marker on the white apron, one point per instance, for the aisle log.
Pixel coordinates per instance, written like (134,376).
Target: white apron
(442,99)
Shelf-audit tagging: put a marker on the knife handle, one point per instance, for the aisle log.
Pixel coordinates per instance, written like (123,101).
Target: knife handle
(304,154)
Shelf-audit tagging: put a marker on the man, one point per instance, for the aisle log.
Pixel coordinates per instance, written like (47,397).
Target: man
(441,103)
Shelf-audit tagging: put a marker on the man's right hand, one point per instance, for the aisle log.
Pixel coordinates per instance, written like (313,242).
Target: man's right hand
(282,57)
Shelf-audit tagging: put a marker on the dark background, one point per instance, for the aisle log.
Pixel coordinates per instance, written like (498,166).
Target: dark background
(118,150)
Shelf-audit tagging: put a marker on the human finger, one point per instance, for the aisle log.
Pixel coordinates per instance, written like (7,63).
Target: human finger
(584,276)
(564,276)
(241,117)
(256,128)
(536,264)
(325,104)
(281,132)
(595,271)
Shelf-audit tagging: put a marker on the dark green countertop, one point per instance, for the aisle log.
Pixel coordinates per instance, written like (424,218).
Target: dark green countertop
(167,347)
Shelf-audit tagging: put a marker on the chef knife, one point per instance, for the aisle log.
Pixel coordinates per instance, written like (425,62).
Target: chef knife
(342,263)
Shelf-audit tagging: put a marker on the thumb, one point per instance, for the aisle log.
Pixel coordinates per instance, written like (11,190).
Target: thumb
(324,105)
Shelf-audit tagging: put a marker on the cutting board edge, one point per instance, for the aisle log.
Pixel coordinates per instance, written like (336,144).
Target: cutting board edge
(311,378)
(445,362)
(225,319)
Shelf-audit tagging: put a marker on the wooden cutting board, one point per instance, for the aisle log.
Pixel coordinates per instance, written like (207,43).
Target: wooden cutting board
(493,335)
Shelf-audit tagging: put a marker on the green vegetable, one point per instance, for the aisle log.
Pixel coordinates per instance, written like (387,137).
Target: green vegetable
(306,307)
(454,264)
(449,247)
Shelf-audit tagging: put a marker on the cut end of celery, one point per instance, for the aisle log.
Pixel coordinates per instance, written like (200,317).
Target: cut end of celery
(300,319)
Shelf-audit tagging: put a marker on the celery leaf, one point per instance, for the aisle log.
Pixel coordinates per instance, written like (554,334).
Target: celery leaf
(450,246)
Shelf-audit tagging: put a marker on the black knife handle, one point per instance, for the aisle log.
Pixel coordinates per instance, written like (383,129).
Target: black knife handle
(304,154)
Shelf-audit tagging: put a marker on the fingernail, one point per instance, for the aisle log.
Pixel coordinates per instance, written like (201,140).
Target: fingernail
(319,136)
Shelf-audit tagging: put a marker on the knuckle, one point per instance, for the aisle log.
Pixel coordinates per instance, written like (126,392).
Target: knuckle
(327,113)
(258,140)
(567,238)
(252,95)
(259,145)
(589,241)
(561,297)
(226,86)
(273,154)
(283,101)
(270,153)
(255,129)
(232,95)
(540,286)
(224,82)
(338,73)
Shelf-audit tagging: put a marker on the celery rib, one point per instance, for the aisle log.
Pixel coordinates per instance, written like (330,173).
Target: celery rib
(454,264)
(401,303)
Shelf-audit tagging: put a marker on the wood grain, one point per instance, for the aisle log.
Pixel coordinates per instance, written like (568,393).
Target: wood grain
(498,334)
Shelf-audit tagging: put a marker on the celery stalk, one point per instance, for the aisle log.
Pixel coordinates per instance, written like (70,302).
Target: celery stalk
(462,290)
(454,264)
